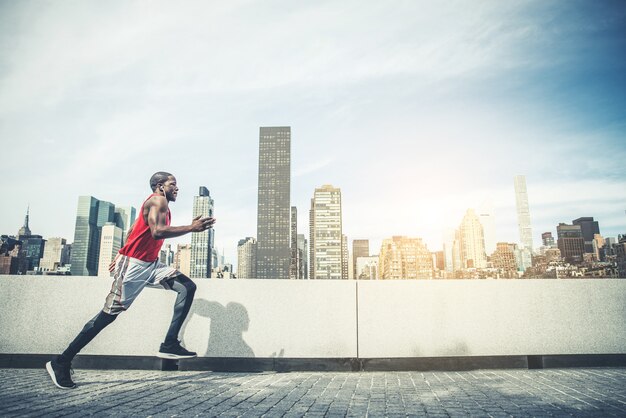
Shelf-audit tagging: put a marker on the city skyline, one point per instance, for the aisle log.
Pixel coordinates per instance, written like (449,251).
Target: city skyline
(414,120)
(121,213)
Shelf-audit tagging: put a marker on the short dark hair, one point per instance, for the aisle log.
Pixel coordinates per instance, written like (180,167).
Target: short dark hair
(159,177)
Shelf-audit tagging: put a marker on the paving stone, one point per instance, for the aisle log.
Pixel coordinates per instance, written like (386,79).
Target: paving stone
(599,392)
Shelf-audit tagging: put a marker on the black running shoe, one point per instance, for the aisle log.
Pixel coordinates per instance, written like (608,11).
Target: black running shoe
(60,373)
(174,351)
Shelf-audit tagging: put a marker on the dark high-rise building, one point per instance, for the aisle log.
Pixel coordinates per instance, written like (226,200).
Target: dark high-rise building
(570,242)
(32,247)
(360,248)
(547,239)
(589,228)
(91,215)
(202,243)
(273,211)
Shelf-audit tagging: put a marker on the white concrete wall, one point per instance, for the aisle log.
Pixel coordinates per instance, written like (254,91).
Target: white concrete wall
(318,319)
(491,317)
(229,318)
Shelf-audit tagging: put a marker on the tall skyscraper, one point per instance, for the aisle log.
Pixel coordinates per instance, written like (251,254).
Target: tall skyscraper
(294,261)
(110,244)
(472,243)
(523,221)
(325,236)
(273,211)
(246,258)
(32,247)
(56,254)
(202,243)
(24,231)
(404,258)
(91,215)
(303,256)
(589,229)
(360,248)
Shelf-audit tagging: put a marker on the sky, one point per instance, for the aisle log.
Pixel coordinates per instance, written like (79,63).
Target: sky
(416,110)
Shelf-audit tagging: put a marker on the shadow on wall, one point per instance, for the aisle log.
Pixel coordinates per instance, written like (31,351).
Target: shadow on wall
(227,324)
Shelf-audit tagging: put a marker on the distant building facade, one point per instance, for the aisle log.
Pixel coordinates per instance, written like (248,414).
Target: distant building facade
(487,220)
(303,256)
(246,258)
(523,221)
(325,234)
(91,215)
(571,242)
(345,258)
(366,268)
(56,254)
(182,259)
(471,242)
(548,240)
(124,218)
(360,248)
(166,255)
(202,243)
(31,249)
(110,244)
(589,228)
(11,256)
(504,258)
(403,258)
(293,245)
(273,211)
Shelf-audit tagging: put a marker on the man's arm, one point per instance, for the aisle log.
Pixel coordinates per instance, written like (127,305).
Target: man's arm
(157,221)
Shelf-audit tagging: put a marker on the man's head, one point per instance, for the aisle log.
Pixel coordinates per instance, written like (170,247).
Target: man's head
(164,184)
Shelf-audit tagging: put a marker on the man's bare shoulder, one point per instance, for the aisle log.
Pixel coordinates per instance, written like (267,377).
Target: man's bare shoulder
(156,202)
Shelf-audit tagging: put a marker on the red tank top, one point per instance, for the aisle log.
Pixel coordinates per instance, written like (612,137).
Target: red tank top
(140,244)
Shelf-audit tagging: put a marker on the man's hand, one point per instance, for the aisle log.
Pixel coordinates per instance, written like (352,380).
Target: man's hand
(201,224)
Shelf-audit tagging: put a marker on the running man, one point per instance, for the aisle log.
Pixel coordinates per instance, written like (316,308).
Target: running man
(135,267)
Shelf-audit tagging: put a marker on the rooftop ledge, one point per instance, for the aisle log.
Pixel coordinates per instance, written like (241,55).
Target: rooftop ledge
(326,325)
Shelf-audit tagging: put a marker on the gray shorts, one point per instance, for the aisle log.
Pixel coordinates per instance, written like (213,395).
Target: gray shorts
(130,277)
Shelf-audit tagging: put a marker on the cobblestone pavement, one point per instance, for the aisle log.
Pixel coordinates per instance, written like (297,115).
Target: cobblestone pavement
(497,393)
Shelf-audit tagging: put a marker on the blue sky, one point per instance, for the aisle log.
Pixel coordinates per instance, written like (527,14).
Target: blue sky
(416,110)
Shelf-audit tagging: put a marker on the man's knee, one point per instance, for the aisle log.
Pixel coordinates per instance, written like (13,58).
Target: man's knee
(188,285)
(191,287)
(101,320)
